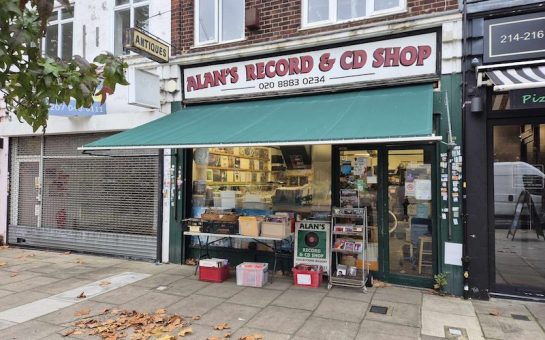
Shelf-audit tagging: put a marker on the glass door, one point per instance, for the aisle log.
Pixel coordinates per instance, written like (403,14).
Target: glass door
(410,212)
(518,162)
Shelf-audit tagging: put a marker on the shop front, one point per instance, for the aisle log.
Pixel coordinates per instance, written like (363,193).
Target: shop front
(294,135)
(505,131)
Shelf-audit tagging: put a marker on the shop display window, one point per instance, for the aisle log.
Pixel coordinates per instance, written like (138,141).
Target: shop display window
(262,180)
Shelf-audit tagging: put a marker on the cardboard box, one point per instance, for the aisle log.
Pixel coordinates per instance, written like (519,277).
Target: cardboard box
(276,229)
(249,225)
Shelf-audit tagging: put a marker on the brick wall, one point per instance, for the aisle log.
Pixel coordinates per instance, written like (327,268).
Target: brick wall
(280,19)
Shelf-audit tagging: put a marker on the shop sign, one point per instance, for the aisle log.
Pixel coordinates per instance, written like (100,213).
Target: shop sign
(527,98)
(145,44)
(312,246)
(371,62)
(514,38)
(71,110)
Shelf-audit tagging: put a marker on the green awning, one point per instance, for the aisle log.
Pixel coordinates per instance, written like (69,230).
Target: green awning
(388,114)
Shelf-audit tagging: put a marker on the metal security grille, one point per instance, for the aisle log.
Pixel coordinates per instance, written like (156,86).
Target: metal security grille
(26,210)
(106,203)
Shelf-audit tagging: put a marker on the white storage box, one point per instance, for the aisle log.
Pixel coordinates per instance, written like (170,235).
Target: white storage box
(276,229)
(252,274)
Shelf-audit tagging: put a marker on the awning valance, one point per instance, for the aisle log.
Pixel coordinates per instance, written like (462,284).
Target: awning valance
(388,114)
(513,78)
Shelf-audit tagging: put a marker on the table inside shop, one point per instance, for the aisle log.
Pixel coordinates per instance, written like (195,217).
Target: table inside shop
(258,239)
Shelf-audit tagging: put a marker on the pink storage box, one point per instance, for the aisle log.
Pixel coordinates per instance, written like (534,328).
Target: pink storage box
(252,274)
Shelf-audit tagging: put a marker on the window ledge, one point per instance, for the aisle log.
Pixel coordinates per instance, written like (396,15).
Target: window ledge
(216,43)
(331,23)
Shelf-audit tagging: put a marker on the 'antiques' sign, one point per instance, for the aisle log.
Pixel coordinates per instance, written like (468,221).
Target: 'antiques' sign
(527,99)
(312,245)
(145,44)
(514,38)
(376,61)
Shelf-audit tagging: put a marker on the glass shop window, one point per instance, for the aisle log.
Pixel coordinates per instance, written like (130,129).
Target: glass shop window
(218,21)
(263,180)
(129,13)
(57,42)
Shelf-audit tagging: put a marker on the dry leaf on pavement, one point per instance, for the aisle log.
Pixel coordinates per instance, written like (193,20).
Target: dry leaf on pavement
(227,335)
(2,264)
(222,326)
(185,331)
(196,317)
(67,253)
(167,337)
(494,312)
(252,337)
(68,332)
(82,295)
(83,312)
(214,338)
(104,283)
(13,274)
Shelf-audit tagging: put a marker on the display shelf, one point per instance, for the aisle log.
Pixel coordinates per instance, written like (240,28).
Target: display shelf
(344,251)
(357,216)
(239,156)
(233,169)
(235,184)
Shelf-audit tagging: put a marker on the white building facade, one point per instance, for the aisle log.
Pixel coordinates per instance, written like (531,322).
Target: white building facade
(54,196)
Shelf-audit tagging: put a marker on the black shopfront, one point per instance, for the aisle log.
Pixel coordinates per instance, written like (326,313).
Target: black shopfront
(504,139)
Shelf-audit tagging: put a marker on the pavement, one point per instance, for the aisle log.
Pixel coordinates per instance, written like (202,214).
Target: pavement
(39,299)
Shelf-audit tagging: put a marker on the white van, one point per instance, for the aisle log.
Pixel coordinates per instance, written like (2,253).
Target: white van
(510,179)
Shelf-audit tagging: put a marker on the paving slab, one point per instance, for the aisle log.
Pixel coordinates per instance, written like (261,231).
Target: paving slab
(8,277)
(35,282)
(501,307)
(142,267)
(257,297)
(4,292)
(185,287)
(274,318)
(5,324)
(223,290)
(498,327)
(448,305)
(398,313)
(379,329)
(399,294)
(341,309)
(280,283)
(269,335)
(151,302)
(157,280)
(194,305)
(122,295)
(33,310)
(17,299)
(235,315)
(54,268)
(64,317)
(30,330)
(433,323)
(62,286)
(320,328)
(302,299)
(99,273)
(350,294)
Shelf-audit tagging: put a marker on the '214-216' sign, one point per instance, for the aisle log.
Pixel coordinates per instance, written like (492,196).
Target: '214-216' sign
(376,61)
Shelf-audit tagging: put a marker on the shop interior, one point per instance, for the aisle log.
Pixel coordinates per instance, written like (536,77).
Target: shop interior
(296,182)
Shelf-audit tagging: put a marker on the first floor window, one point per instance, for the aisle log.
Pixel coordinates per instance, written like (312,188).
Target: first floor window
(332,11)
(57,42)
(129,13)
(218,21)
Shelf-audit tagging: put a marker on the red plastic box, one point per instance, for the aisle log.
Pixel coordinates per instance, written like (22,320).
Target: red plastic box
(213,274)
(307,276)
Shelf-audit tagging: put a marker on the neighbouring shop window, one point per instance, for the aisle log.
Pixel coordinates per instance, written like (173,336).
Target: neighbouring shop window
(263,180)
(410,212)
(129,13)
(317,12)
(58,39)
(218,21)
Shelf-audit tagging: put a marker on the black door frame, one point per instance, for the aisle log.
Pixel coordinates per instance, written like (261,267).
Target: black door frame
(382,204)
(512,117)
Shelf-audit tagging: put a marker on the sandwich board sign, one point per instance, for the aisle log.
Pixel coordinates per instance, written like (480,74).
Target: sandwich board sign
(312,243)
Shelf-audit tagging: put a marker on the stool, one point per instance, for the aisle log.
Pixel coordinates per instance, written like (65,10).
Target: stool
(426,249)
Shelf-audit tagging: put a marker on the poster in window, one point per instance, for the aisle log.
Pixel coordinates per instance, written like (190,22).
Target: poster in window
(422,189)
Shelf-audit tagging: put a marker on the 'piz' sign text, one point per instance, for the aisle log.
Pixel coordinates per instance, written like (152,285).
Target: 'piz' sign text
(375,61)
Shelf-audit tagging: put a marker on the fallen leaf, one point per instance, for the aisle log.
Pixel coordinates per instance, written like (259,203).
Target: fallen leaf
(252,337)
(214,338)
(227,335)
(83,312)
(82,295)
(196,317)
(161,311)
(2,264)
(494,312)
(68,332)
(67,253)
(104,311)
(222,326)
(184,331)
(167,337)
(13,274)
(104,283)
